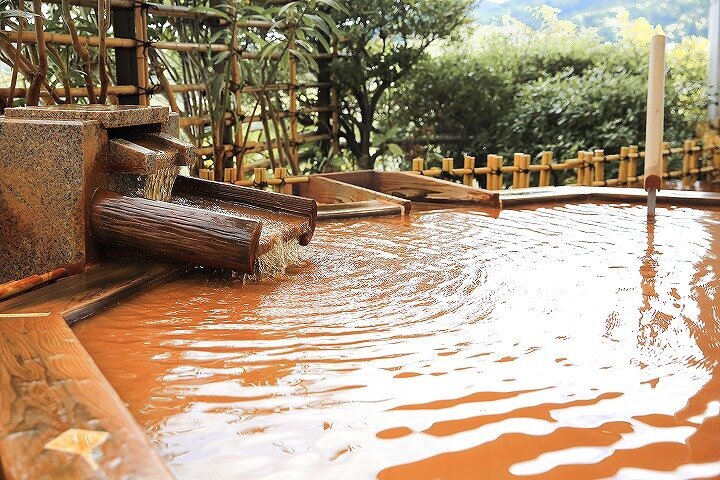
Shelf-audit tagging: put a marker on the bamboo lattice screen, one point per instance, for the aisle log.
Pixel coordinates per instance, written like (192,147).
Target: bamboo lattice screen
(138,74)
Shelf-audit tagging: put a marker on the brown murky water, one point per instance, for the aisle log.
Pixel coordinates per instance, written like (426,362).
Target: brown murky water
(565,342)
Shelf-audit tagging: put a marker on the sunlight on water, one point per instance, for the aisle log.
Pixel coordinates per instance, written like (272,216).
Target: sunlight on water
(564,342)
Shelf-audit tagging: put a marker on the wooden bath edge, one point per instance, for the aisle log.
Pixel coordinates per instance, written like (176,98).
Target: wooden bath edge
(542,195)
(50,384)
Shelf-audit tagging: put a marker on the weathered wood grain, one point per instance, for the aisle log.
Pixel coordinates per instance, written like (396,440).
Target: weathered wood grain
(48,384)
(277,202)
(175,232)
(327,191)
(426,189)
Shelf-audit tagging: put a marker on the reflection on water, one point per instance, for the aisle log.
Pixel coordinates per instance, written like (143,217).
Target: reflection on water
(554,343)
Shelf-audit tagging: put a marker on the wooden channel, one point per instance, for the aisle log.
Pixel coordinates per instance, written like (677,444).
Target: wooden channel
(338,199)
(419,188)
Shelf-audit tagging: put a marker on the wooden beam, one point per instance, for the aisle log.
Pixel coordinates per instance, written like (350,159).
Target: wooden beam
(175,232)
(426,189)
(369,208)
(48,385)
(336,199)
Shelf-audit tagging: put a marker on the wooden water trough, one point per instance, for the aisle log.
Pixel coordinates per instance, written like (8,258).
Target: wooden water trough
(417,188)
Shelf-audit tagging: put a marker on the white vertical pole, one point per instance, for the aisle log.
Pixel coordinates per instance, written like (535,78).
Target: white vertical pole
(655,120)
(714,65)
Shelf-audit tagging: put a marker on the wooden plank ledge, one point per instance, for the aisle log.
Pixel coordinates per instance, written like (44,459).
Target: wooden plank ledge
(572,194)
(50,384)
(79,296)
(370,208)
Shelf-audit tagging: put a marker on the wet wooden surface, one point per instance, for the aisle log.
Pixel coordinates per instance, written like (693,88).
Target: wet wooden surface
(419,188)
(175,232)
(49,384)
(276,202)
(81,295)
(370,208)
(335,199)
(427,189)
(529,196)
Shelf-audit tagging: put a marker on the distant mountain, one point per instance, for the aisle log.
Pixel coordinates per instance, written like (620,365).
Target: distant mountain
(679,17)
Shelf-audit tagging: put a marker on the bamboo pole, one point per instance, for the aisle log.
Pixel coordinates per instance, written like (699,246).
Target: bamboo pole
(19,286)
(623,166)
(580,173)
(665,158)
(655,120)
(687,179)
(633,156)
(545,160)
(283,187)
(517,161)
(599,165)
(293,107)
(468,164)
(526,171)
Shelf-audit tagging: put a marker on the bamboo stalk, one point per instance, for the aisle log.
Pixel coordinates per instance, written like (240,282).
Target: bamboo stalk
(19,286)
(545,160)
(632,163)
(623,167)
(33,96)
(599,165)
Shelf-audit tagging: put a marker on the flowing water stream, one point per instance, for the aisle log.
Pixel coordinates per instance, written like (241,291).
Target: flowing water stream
(562,342)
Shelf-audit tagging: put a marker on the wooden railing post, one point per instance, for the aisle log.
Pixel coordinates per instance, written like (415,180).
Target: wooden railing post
(517,163)
(545,161)
(127,67)
(665,158)
(623,166)
(633,154)
(599,165)
(688,160)
(468,164)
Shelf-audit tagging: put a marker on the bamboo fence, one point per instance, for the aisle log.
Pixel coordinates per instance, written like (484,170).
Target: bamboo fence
(693,160)
(590,168)
(132,48)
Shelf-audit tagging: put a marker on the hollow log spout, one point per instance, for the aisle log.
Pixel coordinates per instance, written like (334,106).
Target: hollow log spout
(276,202)
(175,232)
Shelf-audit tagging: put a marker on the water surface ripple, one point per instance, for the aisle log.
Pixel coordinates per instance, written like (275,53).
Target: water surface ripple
(563,342)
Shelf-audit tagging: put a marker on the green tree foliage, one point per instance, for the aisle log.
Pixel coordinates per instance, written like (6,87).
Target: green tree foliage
(559,88)
(383,41)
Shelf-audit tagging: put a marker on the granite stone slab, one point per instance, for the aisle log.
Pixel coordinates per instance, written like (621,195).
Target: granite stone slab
(109,116)
(49,170)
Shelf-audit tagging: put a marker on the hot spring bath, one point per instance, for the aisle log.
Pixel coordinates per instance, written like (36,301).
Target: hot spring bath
(560,342)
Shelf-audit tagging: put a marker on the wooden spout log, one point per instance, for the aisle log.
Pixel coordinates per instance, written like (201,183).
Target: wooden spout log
(175,232)
(276,202)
